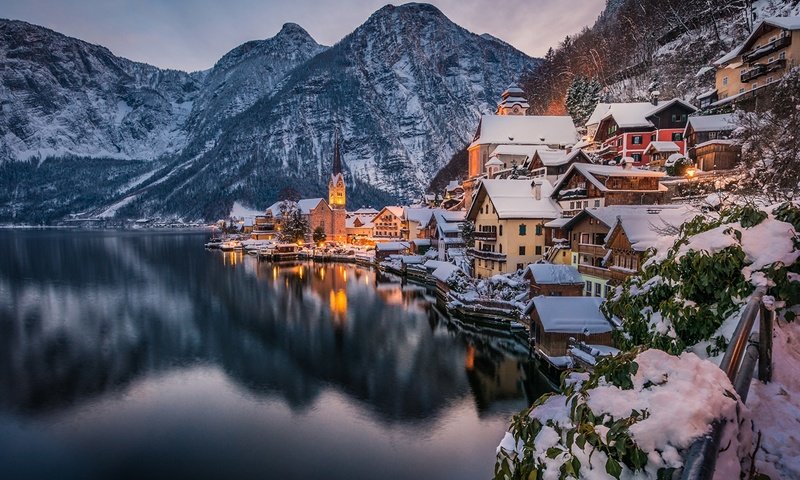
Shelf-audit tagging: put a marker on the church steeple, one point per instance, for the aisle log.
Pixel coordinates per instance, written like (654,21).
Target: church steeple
(513,102)
(336,186)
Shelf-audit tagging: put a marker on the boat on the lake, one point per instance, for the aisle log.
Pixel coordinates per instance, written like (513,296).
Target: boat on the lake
(230,246)
(280,252)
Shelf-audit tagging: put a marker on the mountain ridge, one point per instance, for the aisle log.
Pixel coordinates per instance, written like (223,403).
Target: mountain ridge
(406,89)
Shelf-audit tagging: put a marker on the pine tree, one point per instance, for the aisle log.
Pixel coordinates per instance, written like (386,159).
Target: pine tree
(294,226)
(319,235)
(583,96)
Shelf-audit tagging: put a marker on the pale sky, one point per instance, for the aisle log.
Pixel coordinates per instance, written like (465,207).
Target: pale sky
(194,34)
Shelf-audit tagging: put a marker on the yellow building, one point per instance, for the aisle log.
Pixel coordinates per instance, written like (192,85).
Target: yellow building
(767,55)
(388,224)
(509,217)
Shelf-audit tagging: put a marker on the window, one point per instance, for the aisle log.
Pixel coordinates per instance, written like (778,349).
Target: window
(519,266)
(588,288)
(538,250)
(678,117)
(596,289)
(724,80)
(596,203)
(755,85)
(769,79)
(741,90)
(523,230)
(538,230)
(770,59)
(501,248)
(782,56)
(572,205)
(585,238)
(501,230)
(677,137)
(522,249)
(608,289)
(619,142)
(637,157)
(653,137)
(637,140)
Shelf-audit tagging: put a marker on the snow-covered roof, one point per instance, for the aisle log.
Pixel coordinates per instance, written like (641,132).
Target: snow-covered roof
(786,23)
(418,215)
(515,150)
(305,205)
(526,130)
(392,246)
(453,185)
(662,147)
(364,222)
(570,314)
(412,259)
(608,215)
(365,211)
(514,198)
(494,162)
(644,228)
(558,222)
(673,159)
(421,242)
(589,170)
(634,114)
(716,141)
(441,271)
(712,123)
(555,158)
(551,274)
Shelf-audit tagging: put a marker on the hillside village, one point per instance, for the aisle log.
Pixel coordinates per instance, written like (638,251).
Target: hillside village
(540,189)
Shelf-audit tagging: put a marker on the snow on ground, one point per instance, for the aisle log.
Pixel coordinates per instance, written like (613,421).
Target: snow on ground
(112,210)
(775,407)
(241,211)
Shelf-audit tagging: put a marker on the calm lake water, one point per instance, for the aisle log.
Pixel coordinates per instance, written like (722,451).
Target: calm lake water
(142,355)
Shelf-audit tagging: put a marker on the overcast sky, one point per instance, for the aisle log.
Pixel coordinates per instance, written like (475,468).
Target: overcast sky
(194,34)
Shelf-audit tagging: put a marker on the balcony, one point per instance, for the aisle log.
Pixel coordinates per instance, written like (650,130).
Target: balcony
(761,69)
(603,273)
(773,46)
(486,236)
(593,250)
(473,252)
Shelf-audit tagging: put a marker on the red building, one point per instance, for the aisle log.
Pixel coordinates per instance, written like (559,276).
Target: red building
(626,129)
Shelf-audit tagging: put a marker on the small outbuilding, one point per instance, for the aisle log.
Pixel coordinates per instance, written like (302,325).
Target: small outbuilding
(554,280)
(554,320)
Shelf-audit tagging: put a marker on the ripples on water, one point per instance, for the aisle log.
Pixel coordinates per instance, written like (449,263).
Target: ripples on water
(141,355)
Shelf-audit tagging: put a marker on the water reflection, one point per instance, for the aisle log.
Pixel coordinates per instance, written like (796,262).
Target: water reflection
(89,320)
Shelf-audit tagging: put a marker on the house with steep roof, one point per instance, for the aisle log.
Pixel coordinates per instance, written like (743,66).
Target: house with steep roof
(765,56)
(589,234)
(709,144)
(415,219)
(509,217)
(592,186)
(626,129)
(388,224)
(552,164)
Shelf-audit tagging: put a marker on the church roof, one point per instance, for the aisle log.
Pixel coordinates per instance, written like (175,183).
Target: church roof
(525,130)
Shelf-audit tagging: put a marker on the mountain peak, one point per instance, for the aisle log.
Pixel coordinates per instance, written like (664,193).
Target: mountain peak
(293,29)
(410,9)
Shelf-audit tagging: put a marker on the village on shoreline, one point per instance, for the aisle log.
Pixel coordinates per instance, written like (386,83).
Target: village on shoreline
(550,218)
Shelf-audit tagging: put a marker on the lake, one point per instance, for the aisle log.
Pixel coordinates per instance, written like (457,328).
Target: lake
(143,355)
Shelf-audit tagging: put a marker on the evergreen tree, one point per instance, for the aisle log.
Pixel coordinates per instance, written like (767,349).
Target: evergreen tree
(319,235)
(583,96)
(294,226)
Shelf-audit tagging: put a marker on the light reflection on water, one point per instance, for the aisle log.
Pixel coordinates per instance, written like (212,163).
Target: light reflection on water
(141,355)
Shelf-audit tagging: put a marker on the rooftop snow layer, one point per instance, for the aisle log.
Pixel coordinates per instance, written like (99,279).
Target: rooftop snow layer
(515,199)
(550,274)
(526,130)
(570,314)
(713,123)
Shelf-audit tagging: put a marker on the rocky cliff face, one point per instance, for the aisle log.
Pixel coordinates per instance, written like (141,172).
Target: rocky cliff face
(405,89)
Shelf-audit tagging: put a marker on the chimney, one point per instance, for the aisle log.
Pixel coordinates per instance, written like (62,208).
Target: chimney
(654,97)
(537,188)
(627,163)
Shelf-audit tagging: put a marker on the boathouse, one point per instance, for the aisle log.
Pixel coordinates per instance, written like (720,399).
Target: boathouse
(554,320)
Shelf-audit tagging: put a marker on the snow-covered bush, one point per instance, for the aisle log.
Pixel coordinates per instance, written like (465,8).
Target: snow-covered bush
(678,166)
(506,287)
(633,415)
(688,289)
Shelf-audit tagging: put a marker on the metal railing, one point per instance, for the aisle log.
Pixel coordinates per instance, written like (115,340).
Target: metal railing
(746,350)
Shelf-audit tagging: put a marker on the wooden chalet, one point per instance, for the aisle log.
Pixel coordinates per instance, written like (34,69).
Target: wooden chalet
(555,320)
(554,280)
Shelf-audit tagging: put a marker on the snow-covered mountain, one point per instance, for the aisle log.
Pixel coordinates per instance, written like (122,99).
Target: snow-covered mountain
(405,89)
(62,96)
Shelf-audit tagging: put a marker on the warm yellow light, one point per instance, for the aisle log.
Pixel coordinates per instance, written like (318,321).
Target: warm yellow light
(690,172)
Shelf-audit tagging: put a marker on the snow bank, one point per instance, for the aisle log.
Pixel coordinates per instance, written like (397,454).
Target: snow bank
(657,412)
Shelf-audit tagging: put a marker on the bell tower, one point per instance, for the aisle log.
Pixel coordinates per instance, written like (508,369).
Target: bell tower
(337,195)
(513,102)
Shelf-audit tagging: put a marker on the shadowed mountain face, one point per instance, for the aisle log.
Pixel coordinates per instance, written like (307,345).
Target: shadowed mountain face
(405,89)
(106,337)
